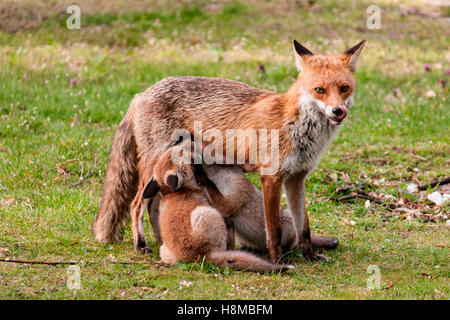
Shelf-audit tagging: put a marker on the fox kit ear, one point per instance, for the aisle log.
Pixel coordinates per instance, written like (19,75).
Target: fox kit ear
(172,182)
(151,189)
(351,56)
(300,53)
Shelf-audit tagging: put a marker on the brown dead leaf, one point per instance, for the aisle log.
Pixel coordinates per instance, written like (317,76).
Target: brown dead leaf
(324,191)
(345,177)
(75,120)
(7,202)
(390,284)
(344,188)
(349,222)
(62,171)
(419,157)
(374,194)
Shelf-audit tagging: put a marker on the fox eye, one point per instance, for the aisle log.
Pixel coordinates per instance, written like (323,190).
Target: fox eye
(320,90)
(344,89)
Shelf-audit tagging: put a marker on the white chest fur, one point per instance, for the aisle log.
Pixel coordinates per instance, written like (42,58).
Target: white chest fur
(310,136)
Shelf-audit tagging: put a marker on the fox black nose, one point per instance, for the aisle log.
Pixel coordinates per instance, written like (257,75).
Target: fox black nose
(337,111)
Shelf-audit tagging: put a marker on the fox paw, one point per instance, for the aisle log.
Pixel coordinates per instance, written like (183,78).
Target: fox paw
(141,247)
(143,250)
(318,257)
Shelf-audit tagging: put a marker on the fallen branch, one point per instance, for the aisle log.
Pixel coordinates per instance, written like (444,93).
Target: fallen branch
(88,175)
(344,188)
(39,262)
(364,195)
(55,263)
(58,165)
(355,195)
(434,183)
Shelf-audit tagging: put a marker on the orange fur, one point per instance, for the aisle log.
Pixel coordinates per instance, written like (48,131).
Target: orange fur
(306,116)
(191,229)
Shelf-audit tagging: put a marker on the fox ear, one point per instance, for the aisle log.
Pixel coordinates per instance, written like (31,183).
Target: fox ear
(351,56)
(300,53)
(151,189)
(172,182)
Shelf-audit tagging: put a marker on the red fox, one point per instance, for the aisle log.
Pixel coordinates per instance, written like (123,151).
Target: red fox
(305,118)
(191,229)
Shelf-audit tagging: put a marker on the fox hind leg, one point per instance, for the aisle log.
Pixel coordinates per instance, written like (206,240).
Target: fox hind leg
(138,208)
(230,233)
(153,213)
(207,221)
(167,256)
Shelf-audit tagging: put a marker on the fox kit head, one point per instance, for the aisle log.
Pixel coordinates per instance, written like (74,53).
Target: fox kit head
(327,82)
(171,173)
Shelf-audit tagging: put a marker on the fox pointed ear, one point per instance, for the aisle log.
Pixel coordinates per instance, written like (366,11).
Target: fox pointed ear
(351,56)
(151,189)
(300,53)
(172,181)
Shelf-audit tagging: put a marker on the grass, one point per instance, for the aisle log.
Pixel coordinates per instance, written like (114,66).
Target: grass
(121,49)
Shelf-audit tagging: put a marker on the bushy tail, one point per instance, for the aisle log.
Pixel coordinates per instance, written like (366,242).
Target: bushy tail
(120,185)
(242,260)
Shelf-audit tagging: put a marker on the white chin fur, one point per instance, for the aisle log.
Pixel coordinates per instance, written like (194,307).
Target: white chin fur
(306,102)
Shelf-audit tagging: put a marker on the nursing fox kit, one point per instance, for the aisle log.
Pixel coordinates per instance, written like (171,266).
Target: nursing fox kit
(191,229)
(305,119)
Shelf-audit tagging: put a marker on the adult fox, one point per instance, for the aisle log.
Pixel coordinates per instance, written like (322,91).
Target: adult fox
(305,117)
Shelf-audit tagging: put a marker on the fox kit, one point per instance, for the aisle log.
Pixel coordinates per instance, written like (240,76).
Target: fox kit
(305,117)
(191,229)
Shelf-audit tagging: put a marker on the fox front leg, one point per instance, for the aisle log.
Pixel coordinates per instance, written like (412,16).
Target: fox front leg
(295,192)
(271,187)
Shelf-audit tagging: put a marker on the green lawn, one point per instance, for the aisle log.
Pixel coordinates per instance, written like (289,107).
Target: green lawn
(53,132)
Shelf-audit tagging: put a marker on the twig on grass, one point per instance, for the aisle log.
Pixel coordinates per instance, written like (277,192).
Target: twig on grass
(344,175)
(50,263)
(58,165)
(355,195)
(55,263)
(434,183)
(89,174)
(363,195)
(419,157)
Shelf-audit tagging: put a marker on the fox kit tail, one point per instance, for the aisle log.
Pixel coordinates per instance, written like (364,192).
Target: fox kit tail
(120,185)
(241,260)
